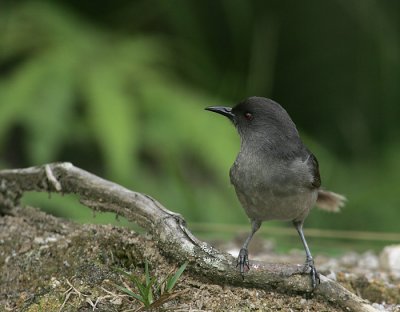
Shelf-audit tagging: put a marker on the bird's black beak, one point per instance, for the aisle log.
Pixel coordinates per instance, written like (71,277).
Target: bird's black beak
(226,111)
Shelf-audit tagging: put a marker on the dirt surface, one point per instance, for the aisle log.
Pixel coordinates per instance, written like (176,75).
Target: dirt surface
(49,264)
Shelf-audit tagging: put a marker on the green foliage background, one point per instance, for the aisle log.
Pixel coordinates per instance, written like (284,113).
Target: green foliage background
(118,88)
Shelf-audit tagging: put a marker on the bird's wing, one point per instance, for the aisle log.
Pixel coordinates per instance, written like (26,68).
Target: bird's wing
(326,200)
(312,163)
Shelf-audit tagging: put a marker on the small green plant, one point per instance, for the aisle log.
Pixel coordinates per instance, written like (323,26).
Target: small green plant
(150,292)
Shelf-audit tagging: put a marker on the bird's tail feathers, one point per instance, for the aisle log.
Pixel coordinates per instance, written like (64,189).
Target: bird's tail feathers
(330,201)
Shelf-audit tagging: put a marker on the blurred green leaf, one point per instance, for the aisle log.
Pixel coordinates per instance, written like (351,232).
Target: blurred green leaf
(122,93)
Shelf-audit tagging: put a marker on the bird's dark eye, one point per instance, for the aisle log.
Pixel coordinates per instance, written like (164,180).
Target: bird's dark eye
(248,116)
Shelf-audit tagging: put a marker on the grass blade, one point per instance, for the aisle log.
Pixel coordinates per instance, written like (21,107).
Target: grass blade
(173,279)
(147,273)
(130,293)
(150,290)
(123,272)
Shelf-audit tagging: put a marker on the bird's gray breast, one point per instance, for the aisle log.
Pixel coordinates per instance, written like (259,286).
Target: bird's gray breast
(273,189)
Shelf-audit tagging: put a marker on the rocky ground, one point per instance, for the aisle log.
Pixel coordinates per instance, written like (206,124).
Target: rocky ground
(48,264)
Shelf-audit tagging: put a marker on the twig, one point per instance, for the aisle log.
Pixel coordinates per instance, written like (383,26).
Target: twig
(52,179)
(70,291)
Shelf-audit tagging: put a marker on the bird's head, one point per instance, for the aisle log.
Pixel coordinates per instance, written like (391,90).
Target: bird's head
(261,119)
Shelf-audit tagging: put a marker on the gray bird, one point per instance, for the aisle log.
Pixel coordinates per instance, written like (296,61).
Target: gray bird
(275,176)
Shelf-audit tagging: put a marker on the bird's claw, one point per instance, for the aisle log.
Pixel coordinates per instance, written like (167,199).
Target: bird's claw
(243,261)
(309,266)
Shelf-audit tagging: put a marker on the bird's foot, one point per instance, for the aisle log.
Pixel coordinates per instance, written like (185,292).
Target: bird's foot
(309,266)
(243,261)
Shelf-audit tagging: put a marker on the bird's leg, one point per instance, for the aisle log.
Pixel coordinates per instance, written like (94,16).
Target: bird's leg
(243,258)
(309,259)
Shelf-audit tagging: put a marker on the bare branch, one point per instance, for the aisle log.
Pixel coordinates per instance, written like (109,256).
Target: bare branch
(173,238)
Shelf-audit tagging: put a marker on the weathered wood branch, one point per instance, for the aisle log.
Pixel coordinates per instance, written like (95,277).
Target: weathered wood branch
(170,231)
